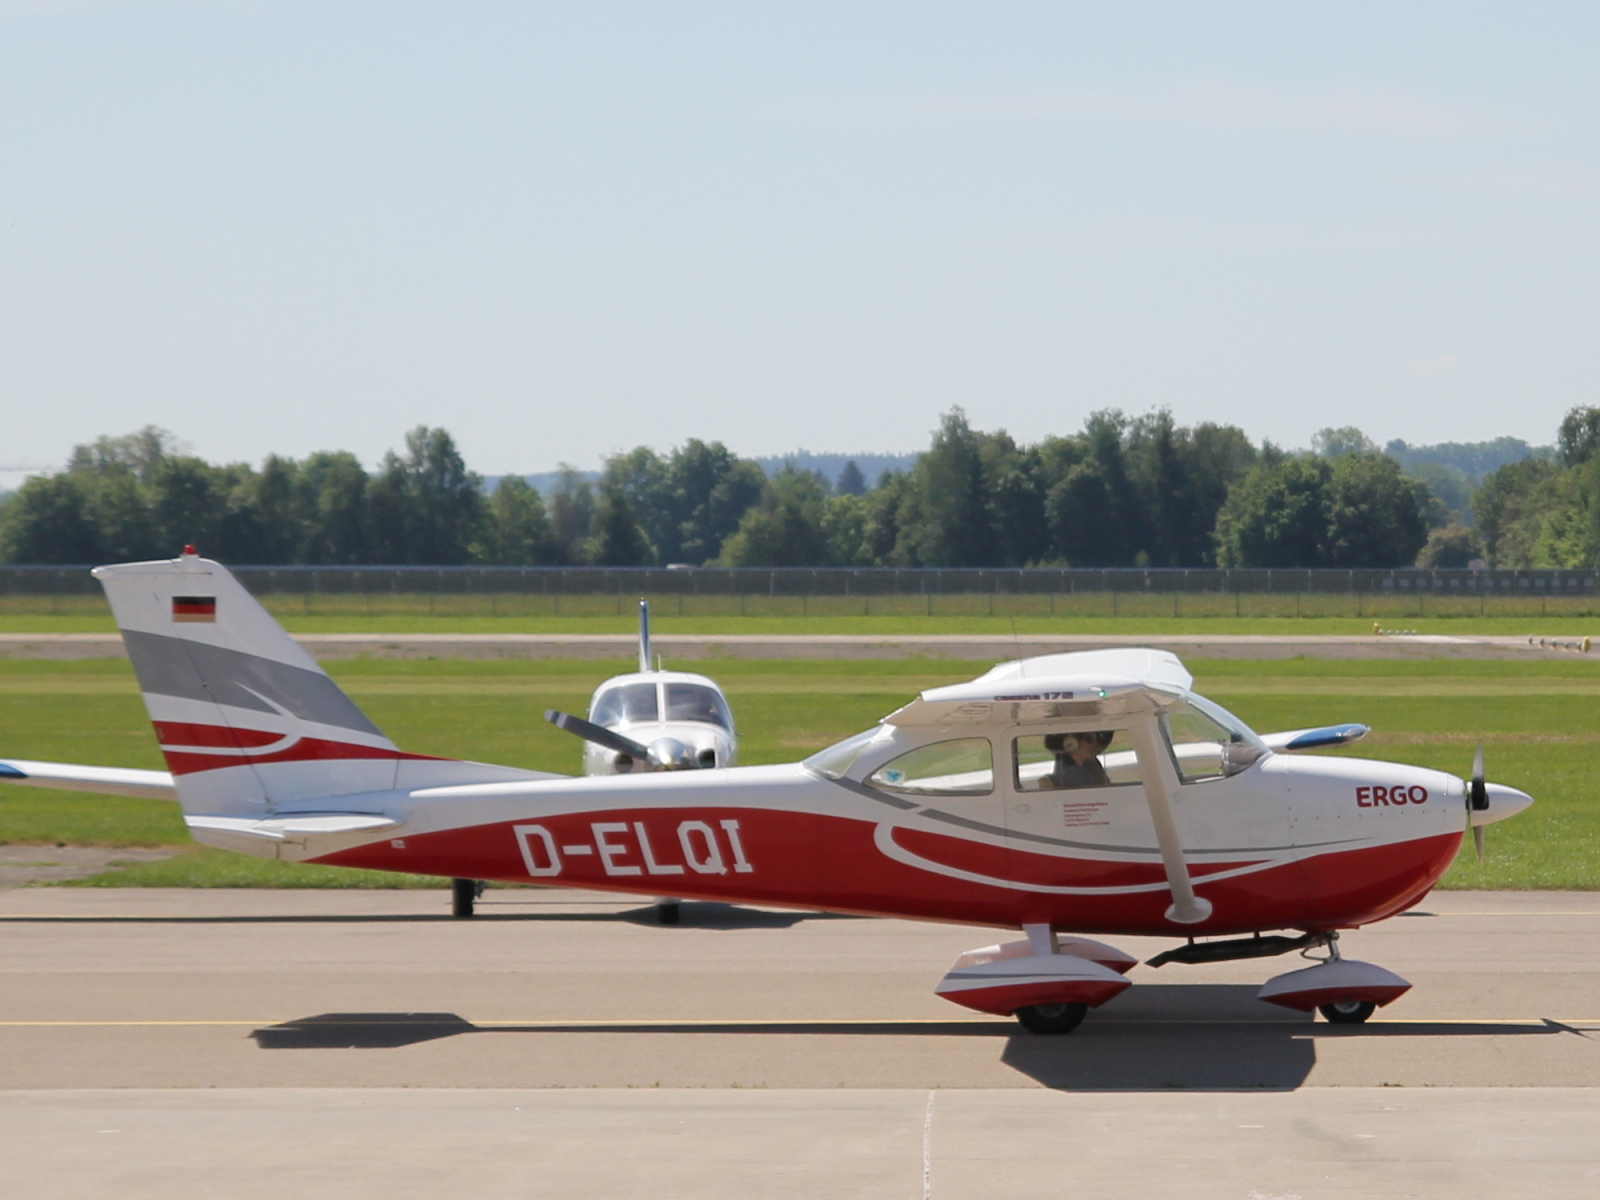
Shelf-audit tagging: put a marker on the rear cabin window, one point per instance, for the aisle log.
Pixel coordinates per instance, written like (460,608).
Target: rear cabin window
(962,767)
(628,703)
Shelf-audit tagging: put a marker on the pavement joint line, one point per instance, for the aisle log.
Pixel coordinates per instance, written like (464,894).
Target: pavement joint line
(766,1022)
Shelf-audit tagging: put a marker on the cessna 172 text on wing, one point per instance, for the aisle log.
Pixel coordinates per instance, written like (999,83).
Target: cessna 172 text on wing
(1067,795)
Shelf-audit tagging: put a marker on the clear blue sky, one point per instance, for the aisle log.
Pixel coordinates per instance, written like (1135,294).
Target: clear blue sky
(563,229)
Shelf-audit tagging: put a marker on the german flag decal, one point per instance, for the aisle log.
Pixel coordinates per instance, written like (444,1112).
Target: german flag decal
(194,608)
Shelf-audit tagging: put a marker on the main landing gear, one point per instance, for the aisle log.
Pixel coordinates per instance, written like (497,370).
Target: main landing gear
(1050,981)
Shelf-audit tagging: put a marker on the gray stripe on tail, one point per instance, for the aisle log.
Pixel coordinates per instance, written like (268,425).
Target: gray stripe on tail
(169,666)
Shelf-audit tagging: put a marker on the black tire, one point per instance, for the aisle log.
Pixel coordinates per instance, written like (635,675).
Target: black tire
(1051,1018)
(668,914)
(1347,1012)
(463,893)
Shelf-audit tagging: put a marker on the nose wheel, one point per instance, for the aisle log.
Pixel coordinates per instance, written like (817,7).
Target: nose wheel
(1051,1018)
(1347,1012)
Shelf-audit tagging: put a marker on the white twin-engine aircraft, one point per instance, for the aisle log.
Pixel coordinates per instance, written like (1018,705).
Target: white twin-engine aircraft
(1065,795)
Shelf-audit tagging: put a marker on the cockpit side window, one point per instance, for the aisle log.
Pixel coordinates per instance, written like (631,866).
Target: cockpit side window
(960,767)
(696,702)
(1204,748)
(626,704)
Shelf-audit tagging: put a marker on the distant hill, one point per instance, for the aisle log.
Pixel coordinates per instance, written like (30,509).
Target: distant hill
(871,467)
(1454,470)
(1473,459)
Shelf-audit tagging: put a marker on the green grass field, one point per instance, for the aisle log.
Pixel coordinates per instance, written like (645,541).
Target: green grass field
(1539,721)
(1090,612)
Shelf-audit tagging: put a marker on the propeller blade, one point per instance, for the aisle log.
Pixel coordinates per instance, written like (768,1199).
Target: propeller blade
(1478,794)
(598,734)
(1477,840)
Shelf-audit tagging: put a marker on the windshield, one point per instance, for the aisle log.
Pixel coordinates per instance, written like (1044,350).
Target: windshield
(1208,742)
(626,704)
(841,756)
(697,702)
(1237,730)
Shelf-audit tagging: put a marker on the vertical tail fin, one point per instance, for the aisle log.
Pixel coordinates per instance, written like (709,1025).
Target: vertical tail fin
(246,718)
(644,635)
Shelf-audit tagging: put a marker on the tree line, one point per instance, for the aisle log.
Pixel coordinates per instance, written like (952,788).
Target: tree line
(1121,492)
(1545,511)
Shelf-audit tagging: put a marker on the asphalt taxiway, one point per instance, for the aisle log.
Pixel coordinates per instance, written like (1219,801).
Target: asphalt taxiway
(245,1040)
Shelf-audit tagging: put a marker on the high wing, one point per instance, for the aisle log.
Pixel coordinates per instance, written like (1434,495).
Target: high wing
(111,781)
(1315,739)
(1090,684)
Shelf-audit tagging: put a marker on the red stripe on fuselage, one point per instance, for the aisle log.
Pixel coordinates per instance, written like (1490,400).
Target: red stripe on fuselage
(1049,870)
(833,863)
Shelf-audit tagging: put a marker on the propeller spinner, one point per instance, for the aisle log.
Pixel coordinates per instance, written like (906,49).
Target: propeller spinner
(663,754)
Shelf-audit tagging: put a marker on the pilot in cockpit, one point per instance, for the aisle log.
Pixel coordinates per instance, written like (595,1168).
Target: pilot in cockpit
(1077,759)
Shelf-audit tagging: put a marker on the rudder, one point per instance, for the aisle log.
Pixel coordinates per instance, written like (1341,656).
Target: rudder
(246,718)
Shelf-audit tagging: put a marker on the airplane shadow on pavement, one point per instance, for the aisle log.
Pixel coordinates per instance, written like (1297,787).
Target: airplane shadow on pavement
(705,914)
(695,914)
(1205,1037)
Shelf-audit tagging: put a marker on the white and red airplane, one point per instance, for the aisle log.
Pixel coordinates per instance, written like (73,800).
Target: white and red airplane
(1071,794)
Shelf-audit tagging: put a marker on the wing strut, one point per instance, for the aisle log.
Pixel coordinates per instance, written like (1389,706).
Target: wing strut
(1160,784)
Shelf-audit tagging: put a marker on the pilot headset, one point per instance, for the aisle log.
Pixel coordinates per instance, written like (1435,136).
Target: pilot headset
(1068,743)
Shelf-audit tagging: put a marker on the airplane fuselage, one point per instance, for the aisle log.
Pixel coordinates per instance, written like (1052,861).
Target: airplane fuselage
(1290,842)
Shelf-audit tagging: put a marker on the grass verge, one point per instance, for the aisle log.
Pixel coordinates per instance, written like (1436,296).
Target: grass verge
(207,867)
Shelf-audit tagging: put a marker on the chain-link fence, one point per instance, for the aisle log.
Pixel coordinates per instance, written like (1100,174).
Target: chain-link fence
(583,591)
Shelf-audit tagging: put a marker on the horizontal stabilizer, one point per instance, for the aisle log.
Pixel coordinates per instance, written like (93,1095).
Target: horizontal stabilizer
(303,835)
(110,781)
